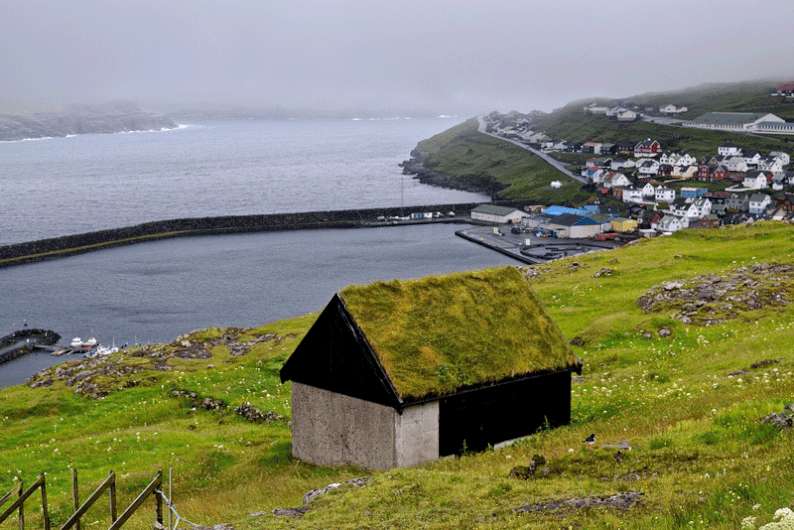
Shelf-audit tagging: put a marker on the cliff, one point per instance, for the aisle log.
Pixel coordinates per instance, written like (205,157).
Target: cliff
(84,119)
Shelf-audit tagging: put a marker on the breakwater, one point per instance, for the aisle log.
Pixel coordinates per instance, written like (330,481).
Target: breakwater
(45,336)
(59,247)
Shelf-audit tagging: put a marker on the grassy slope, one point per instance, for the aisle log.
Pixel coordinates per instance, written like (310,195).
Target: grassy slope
(699,452)
(470,156)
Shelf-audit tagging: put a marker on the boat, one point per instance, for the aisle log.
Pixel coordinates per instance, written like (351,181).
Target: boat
(90,343)
(77,342)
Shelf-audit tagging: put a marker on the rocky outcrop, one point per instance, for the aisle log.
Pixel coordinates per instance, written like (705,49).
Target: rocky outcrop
(104,119)
(711,299)
(622,501)
(418,166)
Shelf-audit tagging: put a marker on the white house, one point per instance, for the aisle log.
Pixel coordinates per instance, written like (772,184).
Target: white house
(729,150)
(496,214)
(752,158)
(755,180)
(770,163)
(672,109)
(663,194)
(648,190)
(595,174)
(648,167)
(627,115)
(684,171)
(619,163)
(632,195)
(785,159)
(736,164)
(691,209)
(615,180)
(668,224)
(759,202)
(702,207)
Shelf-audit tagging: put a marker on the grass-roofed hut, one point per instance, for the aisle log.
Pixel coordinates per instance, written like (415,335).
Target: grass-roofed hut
(397,373)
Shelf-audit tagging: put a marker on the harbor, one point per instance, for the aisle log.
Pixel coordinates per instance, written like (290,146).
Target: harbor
(529,248)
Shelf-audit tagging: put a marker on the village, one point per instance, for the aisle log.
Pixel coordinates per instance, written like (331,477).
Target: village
(641,190)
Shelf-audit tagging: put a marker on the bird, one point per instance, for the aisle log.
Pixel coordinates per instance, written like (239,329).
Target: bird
(618,457)
(590,439)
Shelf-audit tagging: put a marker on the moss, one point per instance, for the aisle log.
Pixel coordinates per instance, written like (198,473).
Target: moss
(438,334)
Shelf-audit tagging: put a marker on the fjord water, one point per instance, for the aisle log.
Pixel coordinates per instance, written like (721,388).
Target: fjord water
(153,292)
(60,186)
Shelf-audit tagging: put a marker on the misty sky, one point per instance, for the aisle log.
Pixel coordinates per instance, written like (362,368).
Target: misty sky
(463,56)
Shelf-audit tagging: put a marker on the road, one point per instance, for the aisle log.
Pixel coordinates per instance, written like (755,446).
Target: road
(556,163)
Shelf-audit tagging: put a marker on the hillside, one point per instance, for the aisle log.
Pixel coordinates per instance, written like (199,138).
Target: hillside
(83,119)
(687,398)
(459,157)
(463,158)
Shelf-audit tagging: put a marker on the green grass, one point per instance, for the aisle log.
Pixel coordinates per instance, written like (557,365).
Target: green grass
(699,452)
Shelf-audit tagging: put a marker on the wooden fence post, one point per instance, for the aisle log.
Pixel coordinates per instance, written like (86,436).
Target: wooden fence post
(113,515)
(45,514)
(21,506)
(75,495)
(170,494)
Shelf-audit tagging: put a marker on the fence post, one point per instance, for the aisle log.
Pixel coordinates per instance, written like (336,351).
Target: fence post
(113,515)
(44,512)
(170,494)
(75,495)
(159,503)
(21,506)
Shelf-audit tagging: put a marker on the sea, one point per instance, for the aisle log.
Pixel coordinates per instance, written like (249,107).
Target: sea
(156,291)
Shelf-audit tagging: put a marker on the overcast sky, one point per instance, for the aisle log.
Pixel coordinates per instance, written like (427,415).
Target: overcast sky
(462,56)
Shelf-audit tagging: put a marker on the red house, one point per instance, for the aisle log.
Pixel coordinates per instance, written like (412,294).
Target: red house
(647,148)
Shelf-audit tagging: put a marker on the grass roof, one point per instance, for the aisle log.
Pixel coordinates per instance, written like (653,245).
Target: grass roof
(438,334)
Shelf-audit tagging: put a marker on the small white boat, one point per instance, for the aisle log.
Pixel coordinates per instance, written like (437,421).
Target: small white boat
(90,343)
(77,342)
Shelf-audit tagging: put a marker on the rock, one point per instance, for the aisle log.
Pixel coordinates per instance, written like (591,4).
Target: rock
(526,472)
(665,332)
(521,472)
(778,420)
(313,494)
(622,501)
(577,341)
(678,256)
(765,362)
(253,414)
(287,512)
(647,335)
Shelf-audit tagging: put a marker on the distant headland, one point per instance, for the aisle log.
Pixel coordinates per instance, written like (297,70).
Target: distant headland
(123,116)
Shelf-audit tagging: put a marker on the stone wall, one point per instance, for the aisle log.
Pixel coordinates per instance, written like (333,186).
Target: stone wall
(334,429)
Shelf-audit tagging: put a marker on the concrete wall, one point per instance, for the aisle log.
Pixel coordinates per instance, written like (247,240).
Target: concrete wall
(334,429)
(416,433)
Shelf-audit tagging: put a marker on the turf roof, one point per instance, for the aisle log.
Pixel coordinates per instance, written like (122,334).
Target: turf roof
(438,334)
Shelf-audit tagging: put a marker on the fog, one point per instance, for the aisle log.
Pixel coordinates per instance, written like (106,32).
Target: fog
(436,56)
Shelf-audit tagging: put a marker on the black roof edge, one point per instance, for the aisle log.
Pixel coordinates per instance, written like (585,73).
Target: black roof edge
(576,367)
(380,371)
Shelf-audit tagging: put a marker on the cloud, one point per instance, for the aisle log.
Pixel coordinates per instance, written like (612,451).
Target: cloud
(450,56)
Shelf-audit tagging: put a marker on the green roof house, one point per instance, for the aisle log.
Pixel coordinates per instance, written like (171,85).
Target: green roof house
(402,372)
(497,214)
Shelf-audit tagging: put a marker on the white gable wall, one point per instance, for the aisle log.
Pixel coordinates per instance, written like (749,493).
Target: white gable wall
(334,429)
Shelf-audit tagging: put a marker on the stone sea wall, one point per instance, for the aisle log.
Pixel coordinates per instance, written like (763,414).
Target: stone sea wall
(20,253)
